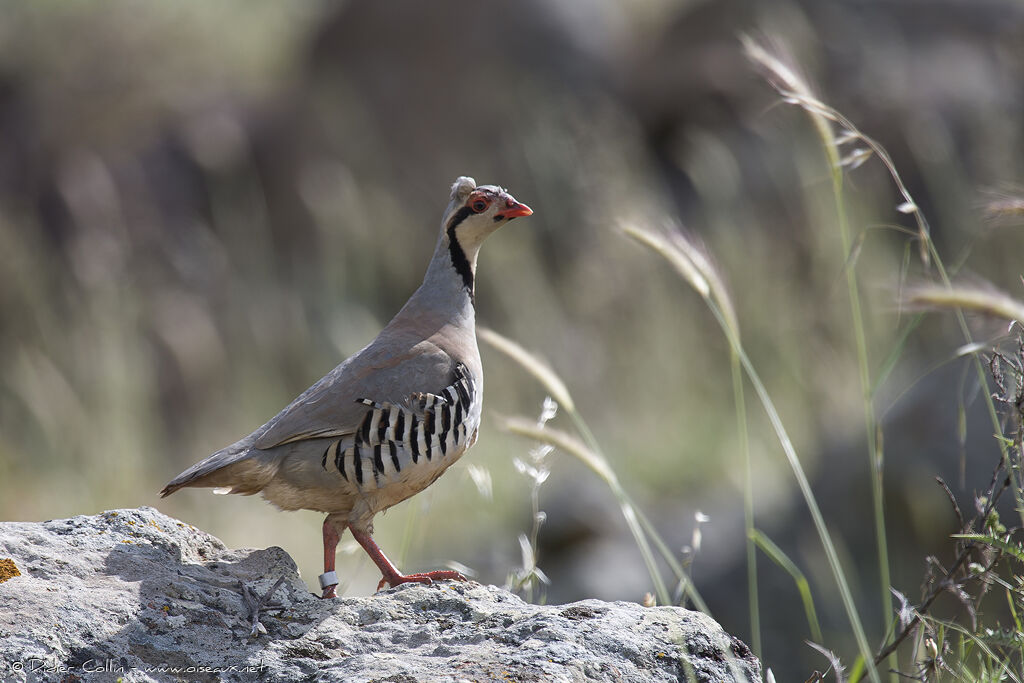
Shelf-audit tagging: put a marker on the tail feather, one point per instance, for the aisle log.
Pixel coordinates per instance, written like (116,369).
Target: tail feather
(238,467)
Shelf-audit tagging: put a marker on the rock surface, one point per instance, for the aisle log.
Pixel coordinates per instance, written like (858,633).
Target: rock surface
(138,596)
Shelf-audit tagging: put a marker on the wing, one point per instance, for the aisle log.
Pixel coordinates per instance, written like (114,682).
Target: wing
(395,443)
(333,406)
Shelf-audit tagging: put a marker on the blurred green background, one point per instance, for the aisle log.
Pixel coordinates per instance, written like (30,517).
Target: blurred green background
(205,206)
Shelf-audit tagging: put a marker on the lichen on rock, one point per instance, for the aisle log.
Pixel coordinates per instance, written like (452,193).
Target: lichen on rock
(8,570)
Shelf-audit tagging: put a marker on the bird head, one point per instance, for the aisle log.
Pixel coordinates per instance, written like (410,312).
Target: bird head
(476,211)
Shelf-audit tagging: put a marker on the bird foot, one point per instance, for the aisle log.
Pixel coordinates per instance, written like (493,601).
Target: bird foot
(255,602)
(425,578)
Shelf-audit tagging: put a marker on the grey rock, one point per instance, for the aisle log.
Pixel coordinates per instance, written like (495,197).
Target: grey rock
(135,595)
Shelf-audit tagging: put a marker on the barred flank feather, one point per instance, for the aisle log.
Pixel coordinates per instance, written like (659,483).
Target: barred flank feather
(433,426)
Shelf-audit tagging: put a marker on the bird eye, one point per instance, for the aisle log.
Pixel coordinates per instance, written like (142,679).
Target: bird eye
(479,206)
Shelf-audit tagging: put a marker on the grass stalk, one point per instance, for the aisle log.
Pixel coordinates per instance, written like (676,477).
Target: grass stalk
(794,91)
(748,503)
(809,499)
(871,428)
(768,547)
(791,85)
(589,452)
(707,282)
(685,587)
(991,302)
(569,444)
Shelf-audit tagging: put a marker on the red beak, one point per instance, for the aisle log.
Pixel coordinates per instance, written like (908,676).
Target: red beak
(514,210)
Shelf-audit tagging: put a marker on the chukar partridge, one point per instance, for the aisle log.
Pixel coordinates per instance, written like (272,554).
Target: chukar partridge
(391,419)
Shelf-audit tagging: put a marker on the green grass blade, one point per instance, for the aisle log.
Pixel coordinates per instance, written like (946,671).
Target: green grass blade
(1012,549)
(748,503)
(776,555)
(896,353)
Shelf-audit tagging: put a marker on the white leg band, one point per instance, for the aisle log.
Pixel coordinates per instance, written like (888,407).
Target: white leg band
(328,579)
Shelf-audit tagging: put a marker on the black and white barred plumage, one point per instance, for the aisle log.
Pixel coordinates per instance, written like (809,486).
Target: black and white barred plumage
(392,438)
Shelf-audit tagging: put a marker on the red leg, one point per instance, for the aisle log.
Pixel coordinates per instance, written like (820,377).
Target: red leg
(390,574)
(331,539)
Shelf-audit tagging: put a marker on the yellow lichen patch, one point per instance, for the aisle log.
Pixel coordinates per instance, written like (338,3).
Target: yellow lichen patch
(127,541)
(8,570)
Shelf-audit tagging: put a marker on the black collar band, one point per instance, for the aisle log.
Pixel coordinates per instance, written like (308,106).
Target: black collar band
(458,255)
